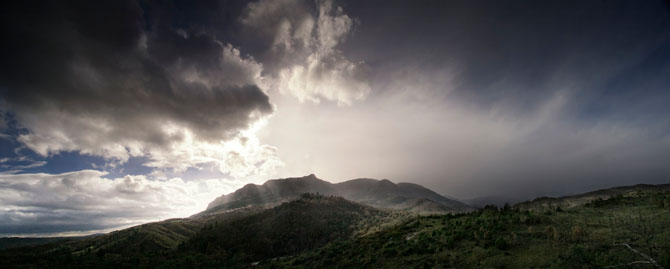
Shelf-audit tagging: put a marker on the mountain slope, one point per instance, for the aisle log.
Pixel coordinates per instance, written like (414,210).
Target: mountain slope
(585,198)
(377,193)
(306,223)
(602,234)
(132,244)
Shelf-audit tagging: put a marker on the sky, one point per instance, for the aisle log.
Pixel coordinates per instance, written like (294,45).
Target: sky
(115,113)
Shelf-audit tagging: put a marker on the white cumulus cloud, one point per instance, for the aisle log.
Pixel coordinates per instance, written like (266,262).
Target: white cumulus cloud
(304,56)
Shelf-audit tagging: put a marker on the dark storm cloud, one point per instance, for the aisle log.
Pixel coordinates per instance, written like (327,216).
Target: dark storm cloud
(516,50)
(556,96)
(96,77)
(507,98)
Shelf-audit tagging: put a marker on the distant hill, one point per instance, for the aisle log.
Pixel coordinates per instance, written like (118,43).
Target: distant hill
(498,201)
(584,198)
(377,193)
(14,242)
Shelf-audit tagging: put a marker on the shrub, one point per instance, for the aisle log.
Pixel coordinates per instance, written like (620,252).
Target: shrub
(578,233)
(551,233)
(500,243)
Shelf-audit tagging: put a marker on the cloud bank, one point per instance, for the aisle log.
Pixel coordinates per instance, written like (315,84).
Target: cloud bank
(83,201)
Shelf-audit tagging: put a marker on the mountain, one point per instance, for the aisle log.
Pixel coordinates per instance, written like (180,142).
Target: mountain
(272,191)
(386,194)
(377,193)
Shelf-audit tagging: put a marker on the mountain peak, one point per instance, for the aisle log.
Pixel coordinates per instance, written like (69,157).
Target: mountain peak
(379,193)
(386,181)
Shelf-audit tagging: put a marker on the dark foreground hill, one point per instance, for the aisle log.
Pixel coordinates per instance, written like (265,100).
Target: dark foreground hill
(377,193)
(627,229)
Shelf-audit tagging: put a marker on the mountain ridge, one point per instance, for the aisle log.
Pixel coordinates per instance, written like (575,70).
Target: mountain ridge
(377,193)
(575,200)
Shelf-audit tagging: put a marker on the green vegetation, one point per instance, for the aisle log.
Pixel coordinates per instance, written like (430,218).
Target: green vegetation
(589,236)
(307,223)
(628,230)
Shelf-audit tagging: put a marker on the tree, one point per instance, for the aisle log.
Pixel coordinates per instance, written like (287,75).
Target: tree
(642,230)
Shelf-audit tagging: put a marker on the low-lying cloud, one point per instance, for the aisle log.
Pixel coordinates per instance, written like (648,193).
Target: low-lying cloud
(84,201)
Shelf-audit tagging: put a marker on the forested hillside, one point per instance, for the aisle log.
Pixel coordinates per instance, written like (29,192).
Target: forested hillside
(626,231)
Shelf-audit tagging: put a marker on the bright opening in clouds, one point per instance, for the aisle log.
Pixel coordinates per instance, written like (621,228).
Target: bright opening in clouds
(123,112)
